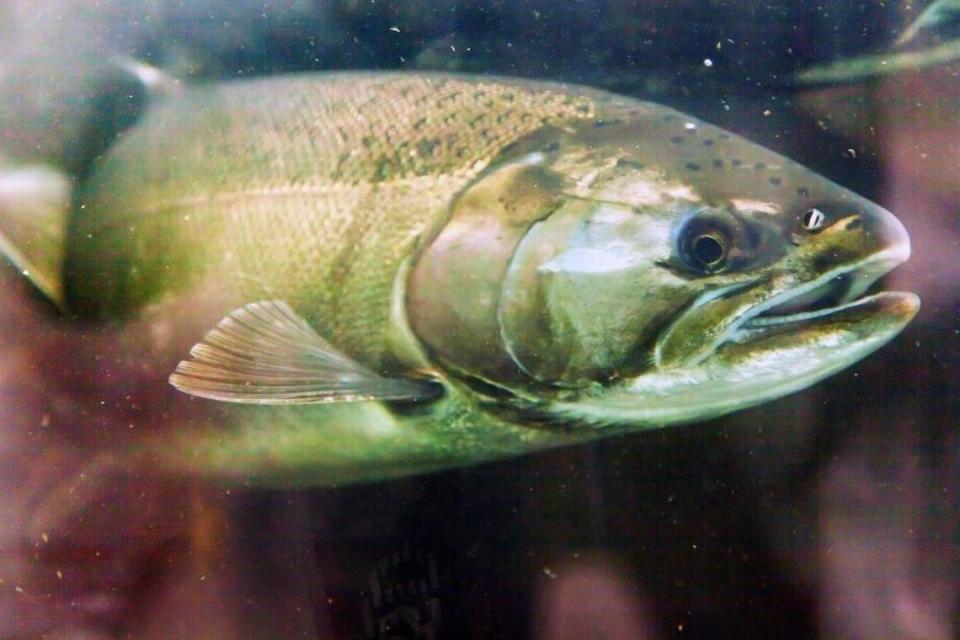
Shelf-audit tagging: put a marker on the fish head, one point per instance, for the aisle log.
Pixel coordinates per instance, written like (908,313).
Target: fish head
(669,271)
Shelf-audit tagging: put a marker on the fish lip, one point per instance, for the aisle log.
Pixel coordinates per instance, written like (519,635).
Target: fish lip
(871,268)
(902,303)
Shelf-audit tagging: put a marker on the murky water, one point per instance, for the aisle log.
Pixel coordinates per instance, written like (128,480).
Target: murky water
(829,513)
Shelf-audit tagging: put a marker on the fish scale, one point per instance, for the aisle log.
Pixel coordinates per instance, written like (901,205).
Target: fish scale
(322,211)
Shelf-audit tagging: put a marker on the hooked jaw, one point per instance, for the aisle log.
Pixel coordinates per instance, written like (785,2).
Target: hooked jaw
(765,365)
(824,276)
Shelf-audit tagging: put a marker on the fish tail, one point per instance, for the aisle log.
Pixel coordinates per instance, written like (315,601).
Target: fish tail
(34,204)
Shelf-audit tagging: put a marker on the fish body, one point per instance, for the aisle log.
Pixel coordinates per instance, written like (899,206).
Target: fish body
(421,271)
(303,188)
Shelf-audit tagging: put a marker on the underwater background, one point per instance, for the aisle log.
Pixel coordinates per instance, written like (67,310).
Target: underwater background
(831,513)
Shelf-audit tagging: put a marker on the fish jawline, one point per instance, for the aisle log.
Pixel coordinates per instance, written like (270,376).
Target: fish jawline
(755,323)
(775,361)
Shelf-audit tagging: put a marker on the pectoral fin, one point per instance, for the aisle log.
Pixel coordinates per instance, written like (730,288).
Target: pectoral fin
(34,202)
(264,353)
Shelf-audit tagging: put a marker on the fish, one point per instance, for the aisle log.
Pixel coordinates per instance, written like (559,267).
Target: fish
(389,273)
(930,40)
(869,66)
(936,21)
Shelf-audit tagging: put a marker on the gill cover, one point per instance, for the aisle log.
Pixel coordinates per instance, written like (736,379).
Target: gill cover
(453,295)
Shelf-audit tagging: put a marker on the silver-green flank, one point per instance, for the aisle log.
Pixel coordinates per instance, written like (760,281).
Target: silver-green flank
(423,271)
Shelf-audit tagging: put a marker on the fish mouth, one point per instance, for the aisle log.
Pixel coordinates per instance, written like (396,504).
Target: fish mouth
(770,356)
(781,344)
(821,299)
(773,303)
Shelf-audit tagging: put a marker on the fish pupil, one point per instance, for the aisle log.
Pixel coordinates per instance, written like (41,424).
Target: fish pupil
(708,250)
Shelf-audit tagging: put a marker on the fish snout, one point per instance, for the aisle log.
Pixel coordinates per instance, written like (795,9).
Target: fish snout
(884,232)
(884,242)
(892,232)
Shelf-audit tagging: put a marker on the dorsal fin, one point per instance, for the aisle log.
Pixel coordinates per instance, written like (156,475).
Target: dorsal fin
(34,204)
(264,353)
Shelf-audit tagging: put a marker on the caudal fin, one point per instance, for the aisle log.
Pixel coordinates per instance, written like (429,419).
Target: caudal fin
(34,203)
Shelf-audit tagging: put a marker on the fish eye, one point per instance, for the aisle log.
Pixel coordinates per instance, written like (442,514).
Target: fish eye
(713,240)
(709,249)
(813,220)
